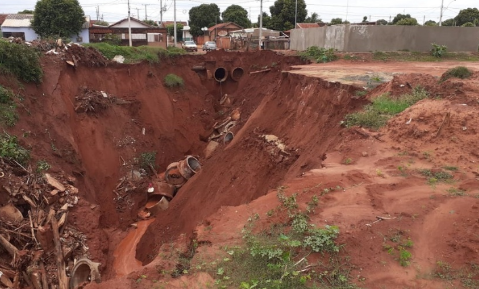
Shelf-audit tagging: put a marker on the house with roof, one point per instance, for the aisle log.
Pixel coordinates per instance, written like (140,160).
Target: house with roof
(141,33)
(19,25)
(222,29)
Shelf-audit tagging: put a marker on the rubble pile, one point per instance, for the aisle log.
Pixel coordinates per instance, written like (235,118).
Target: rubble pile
(93,101)
(38,247)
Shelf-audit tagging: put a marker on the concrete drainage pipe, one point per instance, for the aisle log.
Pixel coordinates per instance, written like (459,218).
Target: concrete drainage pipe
(221,74)
(237,73)
(189,166)
(84,271)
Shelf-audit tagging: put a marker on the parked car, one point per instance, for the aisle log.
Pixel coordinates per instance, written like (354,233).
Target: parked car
(189,46)
(209,45)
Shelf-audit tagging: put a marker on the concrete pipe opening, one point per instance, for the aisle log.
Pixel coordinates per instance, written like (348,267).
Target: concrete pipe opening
(221,74)
(237,73)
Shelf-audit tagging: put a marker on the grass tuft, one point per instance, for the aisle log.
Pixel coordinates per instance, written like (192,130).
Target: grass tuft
(21,61)
(376,114)
(8,114)
(136,54)
(12,151)
(173,80)
(461,72)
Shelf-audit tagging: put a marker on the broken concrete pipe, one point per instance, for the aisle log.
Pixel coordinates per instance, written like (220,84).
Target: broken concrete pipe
(225,100)
(156,203)
(235,114)
(83,272)
(210,148)
(221,74)
(163,189)
(228,137)
(173,175)
(236,73)
(189,166)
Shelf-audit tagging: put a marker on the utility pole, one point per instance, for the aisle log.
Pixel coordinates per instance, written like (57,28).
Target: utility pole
(97,12)
(260,23)
(295,14)
(129,25)
(347,10)
(138,13)
(440,15)
(146,14)
(174,20)
(161,11)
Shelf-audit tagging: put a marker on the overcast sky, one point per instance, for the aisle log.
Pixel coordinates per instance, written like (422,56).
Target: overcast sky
(352,10)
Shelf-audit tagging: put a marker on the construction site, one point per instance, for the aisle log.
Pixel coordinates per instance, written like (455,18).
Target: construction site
(134,183)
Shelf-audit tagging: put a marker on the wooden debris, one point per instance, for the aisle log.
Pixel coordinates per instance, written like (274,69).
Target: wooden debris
(54,183)
(445,120)
(260,71)
(62,277)
(12,250)
(10,213)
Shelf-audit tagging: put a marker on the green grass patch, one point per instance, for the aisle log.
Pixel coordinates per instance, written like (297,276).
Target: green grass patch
(8,113)
(276,257)
(12,151)
(21,61)
(376,114)
(424,56)
(173,80)
(136,54)
(461,72)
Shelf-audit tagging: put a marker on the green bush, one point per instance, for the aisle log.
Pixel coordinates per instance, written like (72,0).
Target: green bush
(147,160)
(173,80)
(318,54)
(21,61)
(11,150)
(376,114)
(461,72)
(8,114)
(438,50)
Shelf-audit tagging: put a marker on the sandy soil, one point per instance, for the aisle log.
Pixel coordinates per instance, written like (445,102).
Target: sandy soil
(303,106)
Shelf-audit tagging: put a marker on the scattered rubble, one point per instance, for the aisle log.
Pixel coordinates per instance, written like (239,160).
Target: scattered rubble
(34,230)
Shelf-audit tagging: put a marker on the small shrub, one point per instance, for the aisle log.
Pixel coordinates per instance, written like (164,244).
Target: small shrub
(11,150)
(318,54)
(404,257)
(21,61)
(173,80)
(438,50)
(461,72)
(42,165)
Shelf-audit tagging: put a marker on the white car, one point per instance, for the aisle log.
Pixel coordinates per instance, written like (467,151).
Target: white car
(190,46)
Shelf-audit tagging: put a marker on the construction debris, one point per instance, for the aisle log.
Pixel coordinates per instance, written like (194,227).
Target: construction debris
(35,232)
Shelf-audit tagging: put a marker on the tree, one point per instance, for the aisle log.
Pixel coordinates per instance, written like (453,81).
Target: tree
(314,18)
(399,17)
(467,15)
(430,23)
(407,21)
(102,23)
(266,21)
(365,19)
(283,14)
(449,22)
(26,12)
(205,15)
(58,18)
(171,30)
(236,14)
(381,22)
(151,22)
(336,21)
(468,24)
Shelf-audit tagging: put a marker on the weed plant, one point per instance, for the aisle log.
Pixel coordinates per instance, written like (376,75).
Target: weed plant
(147,160)
(173,80)
(438,50)
(376,114)
(21,61)
(277,258)
(8,114)
(12,151)
(318,54)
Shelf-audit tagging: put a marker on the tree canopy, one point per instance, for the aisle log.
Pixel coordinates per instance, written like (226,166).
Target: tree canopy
(382,22)
(236,14)
(283,12)
(314,18)
(150,22)
(26,11)
(449,22)
(171,30)
(467,15)
(430,23)
(407,21)
(336,21)
(205,15)
(57,18)
(266,21)
(399,17)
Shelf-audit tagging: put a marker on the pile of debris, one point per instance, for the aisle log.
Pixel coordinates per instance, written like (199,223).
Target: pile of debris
(92,100)
(38,248)
(222,132)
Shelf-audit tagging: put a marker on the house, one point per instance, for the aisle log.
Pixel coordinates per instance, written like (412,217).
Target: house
(186,33)
(141,33)
(222,29)
(19,25)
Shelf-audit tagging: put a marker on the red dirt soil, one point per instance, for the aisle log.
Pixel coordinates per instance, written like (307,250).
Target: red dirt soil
(379,178)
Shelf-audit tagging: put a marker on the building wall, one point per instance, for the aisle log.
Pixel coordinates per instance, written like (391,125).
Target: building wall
(30,35)
(364,38)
